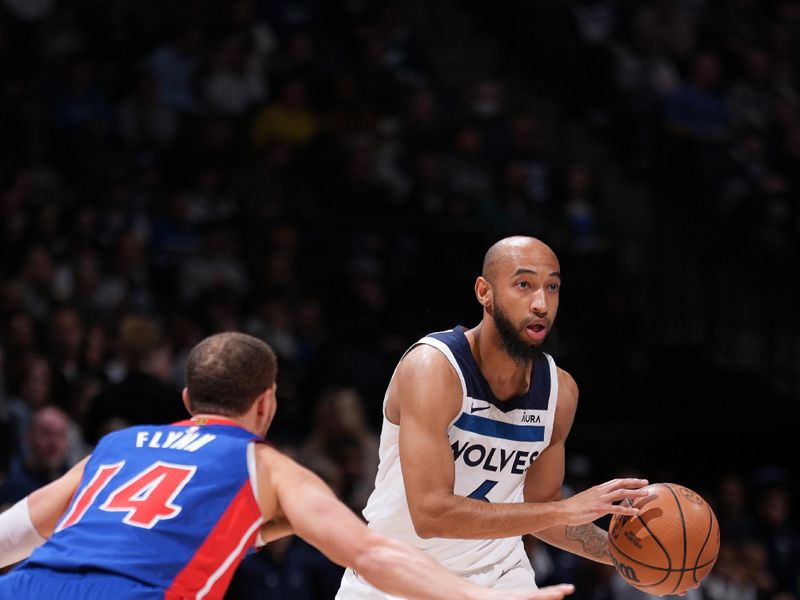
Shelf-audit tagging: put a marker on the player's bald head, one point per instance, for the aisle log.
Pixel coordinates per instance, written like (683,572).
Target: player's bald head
(509,250)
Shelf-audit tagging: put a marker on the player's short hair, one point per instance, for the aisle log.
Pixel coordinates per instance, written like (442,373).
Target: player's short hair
(227,371)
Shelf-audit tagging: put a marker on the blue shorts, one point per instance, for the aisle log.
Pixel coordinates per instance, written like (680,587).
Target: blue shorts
(36,583)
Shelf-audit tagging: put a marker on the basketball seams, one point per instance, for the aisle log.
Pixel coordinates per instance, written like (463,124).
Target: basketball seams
(621,552)
(703,546)
(656,540)
(660,581)
(683,529)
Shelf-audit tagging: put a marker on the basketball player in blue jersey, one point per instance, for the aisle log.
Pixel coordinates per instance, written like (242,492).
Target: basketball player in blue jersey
(170,511)
(472,443)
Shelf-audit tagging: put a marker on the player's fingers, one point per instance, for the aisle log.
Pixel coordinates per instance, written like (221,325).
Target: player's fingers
(626,494)
(632,483)
(623,509)
(554,592)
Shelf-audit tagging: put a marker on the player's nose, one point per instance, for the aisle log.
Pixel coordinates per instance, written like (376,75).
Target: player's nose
(539,302)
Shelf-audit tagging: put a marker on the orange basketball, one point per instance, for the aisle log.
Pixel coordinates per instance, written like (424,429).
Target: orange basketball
(670,546)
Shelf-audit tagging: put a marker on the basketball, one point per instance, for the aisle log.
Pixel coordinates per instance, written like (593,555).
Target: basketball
(670,546)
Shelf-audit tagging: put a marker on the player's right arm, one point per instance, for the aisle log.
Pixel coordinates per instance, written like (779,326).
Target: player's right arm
(317,516)
(28,523)
(424,397)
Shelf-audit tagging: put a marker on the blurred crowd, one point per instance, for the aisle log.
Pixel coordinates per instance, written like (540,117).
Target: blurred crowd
(300,170)
(698,99)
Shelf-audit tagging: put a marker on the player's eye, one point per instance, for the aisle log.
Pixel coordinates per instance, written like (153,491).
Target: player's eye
(523,284)
(553,287)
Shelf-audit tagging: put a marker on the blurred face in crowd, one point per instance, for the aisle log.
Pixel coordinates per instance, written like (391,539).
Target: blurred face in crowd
(423,107)
(47,439)
(38,266)
(36,384)
(732,493)
(21,333)
(775,506)
(706,71)
(66,333)
(340,412)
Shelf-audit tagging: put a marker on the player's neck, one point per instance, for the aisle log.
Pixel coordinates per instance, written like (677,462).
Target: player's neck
(204,418)
(245,422)
(506,377)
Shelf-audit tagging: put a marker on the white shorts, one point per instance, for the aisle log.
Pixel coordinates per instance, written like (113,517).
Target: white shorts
(513,573)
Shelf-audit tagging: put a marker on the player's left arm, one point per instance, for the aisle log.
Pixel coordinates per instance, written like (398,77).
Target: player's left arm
(545,479)
(27,525)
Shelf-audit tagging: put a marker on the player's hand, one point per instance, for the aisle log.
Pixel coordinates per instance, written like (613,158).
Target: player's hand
(553,592)
(606,498)
(694,587)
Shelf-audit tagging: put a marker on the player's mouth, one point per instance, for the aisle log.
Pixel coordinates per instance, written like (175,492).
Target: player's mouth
(536,331)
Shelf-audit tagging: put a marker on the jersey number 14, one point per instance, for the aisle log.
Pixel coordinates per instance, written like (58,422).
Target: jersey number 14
(146,498)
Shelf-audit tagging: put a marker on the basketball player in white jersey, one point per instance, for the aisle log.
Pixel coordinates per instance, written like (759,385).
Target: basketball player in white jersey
(472,445)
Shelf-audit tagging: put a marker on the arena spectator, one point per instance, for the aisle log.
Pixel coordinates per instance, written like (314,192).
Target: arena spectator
(45,458)
(145,393)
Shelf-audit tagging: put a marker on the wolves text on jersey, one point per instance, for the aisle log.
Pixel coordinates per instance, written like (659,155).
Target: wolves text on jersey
(493,459)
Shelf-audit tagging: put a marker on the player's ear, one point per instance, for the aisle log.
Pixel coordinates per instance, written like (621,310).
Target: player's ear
(266,406)
(185,398)
(483,292)
(267,398)
(270,394)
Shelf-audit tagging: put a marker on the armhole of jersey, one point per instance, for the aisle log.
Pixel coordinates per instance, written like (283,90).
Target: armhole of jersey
(444,349)
(552,401)
(252,472)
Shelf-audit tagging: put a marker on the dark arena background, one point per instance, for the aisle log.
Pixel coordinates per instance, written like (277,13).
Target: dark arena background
(327,176)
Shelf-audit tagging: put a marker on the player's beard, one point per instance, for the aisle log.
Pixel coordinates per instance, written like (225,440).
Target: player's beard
(511,339)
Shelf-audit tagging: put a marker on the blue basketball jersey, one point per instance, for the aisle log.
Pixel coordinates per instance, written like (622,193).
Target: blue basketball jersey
(170,507)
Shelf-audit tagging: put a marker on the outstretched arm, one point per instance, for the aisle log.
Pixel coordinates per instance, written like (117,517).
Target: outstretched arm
(26,525)
(425,396)
(321,519)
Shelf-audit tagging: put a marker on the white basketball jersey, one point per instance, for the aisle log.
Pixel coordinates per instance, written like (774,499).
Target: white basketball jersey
(493,443)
